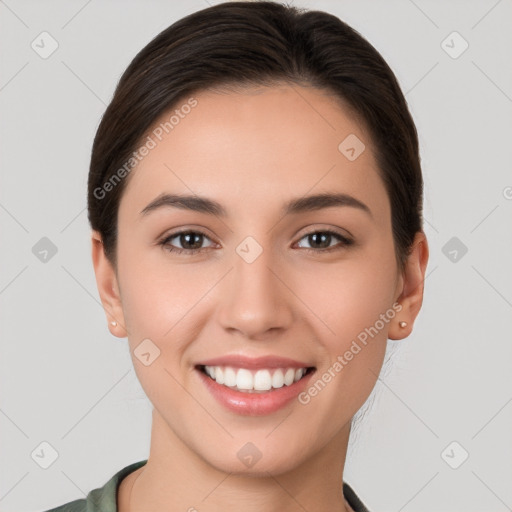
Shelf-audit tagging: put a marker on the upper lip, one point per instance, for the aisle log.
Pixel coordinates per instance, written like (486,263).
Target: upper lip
(241,361)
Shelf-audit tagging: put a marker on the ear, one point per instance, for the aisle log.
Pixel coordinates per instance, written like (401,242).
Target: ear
(108,288)
(410,288)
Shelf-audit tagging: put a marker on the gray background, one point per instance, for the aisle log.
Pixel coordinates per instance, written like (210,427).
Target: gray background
(65,380)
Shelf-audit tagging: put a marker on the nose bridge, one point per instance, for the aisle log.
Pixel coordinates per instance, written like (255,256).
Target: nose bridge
(254,299)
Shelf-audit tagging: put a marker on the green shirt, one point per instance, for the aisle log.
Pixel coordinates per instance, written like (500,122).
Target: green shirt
(104,499)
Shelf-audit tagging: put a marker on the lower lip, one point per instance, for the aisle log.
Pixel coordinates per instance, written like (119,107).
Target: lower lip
(254,404)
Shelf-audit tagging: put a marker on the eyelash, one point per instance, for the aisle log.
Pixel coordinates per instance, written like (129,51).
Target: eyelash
(345,242)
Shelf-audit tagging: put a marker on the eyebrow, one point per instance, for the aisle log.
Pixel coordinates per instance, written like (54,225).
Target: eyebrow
(294,206)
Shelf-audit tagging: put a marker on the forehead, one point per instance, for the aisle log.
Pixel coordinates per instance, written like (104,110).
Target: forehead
(255,146)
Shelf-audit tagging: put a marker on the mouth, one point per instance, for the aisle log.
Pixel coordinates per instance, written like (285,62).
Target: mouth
(252,380)
(254,386)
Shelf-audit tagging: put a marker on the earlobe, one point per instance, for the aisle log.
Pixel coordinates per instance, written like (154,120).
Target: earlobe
(106,281)
(411,296)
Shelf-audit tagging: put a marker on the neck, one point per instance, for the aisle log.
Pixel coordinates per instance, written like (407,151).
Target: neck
(176,478)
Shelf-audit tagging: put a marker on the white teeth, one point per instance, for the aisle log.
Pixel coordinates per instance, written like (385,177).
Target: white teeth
(229,377)
(246,380)
(219,375)
(262,380)
(278,379)
(289,376)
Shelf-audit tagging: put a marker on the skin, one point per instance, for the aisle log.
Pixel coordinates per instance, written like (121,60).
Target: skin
(253,150)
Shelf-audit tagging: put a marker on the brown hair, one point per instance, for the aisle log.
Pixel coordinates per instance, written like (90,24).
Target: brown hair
(260,43)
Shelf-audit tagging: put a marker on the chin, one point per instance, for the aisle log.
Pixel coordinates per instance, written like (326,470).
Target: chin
(251,461)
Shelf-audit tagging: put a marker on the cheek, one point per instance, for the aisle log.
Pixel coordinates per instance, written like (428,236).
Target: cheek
(146,293)
(354,302)
(157,301)
(351,295)
(159,297)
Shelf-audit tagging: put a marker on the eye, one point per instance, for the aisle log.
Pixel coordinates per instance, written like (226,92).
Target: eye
(190,241)
(323,238)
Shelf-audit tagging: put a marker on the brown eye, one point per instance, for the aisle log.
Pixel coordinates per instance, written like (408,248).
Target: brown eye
(321,241)
(191,242)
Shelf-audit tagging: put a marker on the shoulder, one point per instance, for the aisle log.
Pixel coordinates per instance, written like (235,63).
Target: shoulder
(353,499)
(72,506)
(102,499)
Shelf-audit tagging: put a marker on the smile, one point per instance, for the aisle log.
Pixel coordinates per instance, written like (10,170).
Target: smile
(254,381)
(253,386)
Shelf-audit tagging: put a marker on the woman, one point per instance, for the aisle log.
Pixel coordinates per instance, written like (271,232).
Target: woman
(255,198)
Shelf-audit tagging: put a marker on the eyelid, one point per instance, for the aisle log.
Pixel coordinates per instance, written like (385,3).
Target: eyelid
(169,233)
(313,228)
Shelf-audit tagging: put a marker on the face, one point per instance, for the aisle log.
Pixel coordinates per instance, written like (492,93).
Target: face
(258,287)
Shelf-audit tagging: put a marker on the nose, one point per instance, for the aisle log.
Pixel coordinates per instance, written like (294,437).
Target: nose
(256,300)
